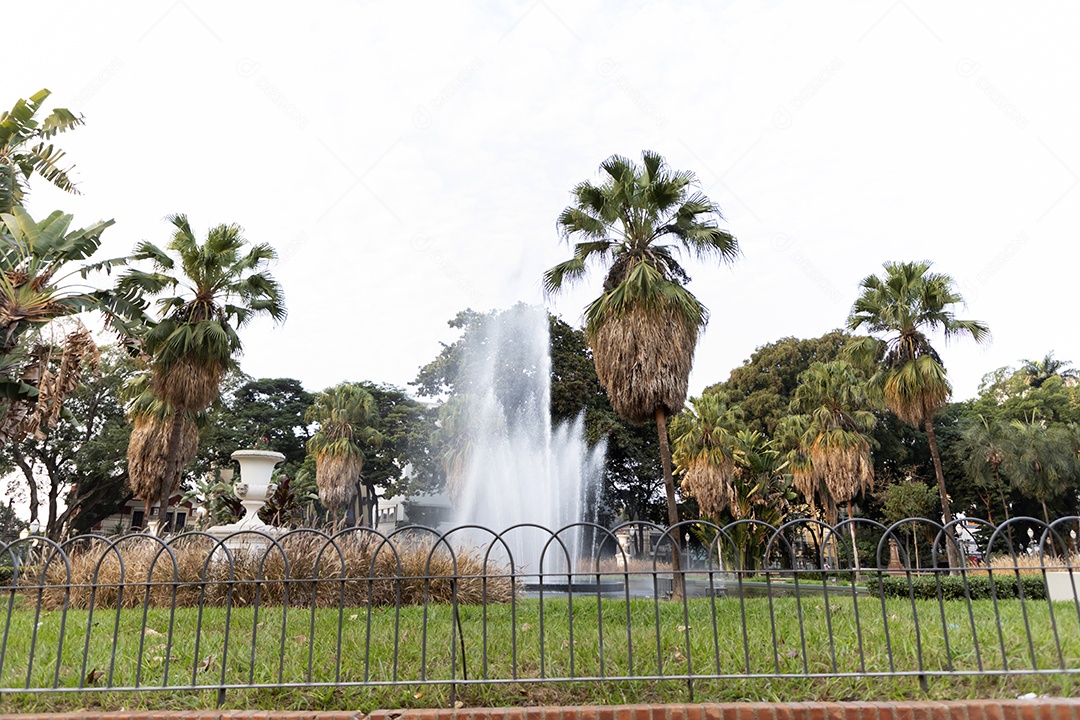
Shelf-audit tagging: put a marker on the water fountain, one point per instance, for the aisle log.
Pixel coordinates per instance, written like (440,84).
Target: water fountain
(521,469)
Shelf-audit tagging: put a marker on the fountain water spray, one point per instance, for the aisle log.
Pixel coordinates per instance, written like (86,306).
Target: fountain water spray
(520,469)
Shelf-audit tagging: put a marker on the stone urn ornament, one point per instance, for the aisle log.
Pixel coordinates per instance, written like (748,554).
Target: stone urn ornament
(252,490)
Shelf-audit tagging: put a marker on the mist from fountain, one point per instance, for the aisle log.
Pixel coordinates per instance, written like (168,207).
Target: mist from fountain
(521,469)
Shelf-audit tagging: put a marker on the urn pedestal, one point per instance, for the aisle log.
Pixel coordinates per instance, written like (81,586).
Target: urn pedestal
(895,566)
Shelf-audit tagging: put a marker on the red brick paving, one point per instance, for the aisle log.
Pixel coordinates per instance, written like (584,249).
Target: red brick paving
(1038,709)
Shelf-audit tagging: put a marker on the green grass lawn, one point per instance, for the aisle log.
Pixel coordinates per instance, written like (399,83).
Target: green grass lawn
(524,642)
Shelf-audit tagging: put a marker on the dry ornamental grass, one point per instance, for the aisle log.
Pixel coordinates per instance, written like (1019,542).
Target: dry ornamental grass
(309,570)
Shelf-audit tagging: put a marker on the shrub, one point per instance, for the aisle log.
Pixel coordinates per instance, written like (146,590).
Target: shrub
(952,587)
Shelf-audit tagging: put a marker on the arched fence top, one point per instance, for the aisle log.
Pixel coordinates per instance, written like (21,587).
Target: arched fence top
(803,539)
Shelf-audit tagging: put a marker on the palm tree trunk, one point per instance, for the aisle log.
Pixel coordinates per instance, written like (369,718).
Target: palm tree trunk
(678,590)
(989,511)
(172,467)
(1004,503)
(854,547)
(946,510)
(1001,494)
(1046,513)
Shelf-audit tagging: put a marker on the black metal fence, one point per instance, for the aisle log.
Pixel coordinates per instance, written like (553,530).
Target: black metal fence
(532,605)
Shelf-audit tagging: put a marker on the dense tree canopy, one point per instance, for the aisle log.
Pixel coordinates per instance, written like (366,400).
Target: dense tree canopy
(267,411)
(403,463)
(764,385)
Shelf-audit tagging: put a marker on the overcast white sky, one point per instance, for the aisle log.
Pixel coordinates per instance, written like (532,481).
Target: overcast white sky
(408,160)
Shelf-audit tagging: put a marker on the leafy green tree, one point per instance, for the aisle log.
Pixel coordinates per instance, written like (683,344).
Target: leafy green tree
(347,418)
(454,370)
(26,148)
(908,498)
(80,464)
(266,410)
(904,304)
(633,477)
(10,527)
(764,385)
(643,328)
(1006,396)
(403,463)
(220,285)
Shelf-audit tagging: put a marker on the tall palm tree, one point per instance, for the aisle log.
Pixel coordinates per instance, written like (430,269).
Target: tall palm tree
(1037,372)
(347,416)
(704,441)
(730,470)
(833,397)
(1039,460)
(903,305)
(983,445)
(789,435)
(763,493)
(644,327)
(205,294)
(25,148)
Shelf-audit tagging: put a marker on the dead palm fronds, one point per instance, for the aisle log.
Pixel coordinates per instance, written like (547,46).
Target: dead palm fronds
(55,372)
(148,455)
(712,486)
(336,477)
(189,383)
(643,358)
